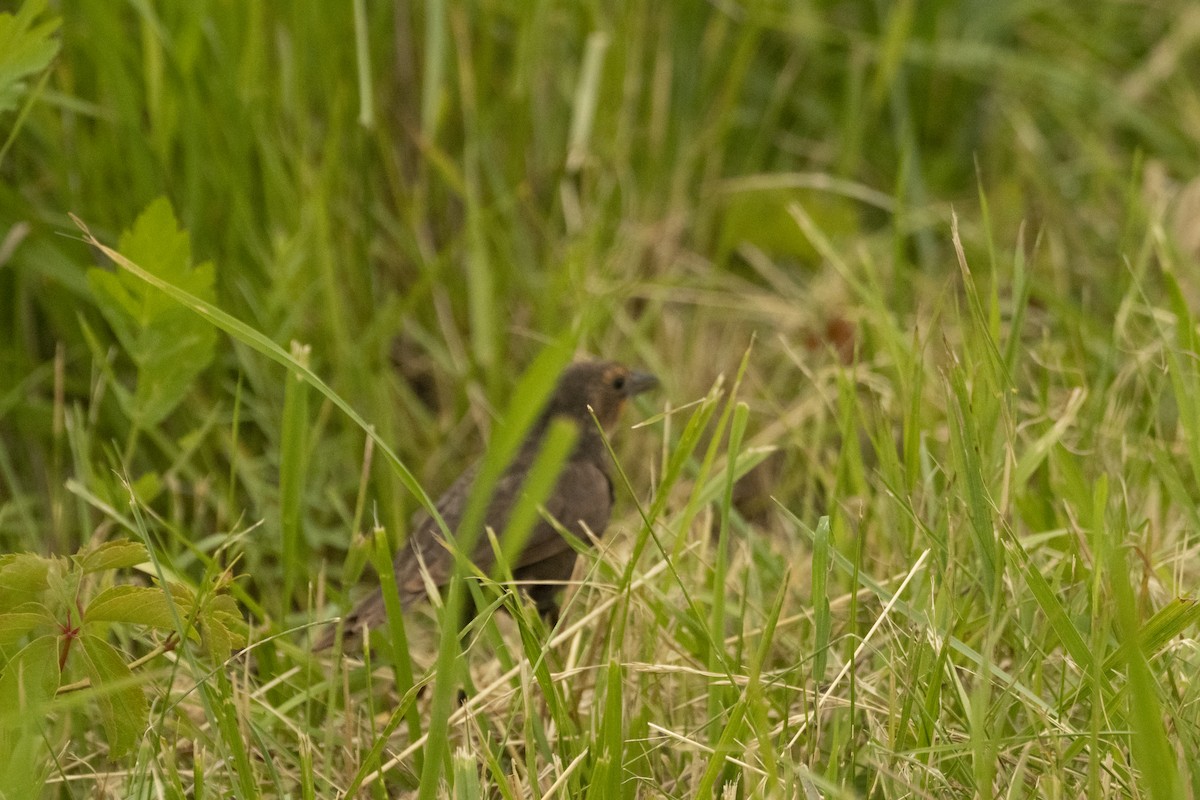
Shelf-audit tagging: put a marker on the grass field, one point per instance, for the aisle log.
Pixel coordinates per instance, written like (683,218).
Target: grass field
(914,514)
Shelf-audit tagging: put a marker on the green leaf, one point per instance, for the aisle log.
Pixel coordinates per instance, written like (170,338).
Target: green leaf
(123,707)
(218,641)
(113,555)
(139,605)
(169,344)
(223,604)
(62,587)
(25,49)
(28,681)
(27,686)
(15,624)
(182,595)
(235,627)
(22,578)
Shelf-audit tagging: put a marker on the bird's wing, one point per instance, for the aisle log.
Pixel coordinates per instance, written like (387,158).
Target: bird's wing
(424,552)
(426,544)
(583,496)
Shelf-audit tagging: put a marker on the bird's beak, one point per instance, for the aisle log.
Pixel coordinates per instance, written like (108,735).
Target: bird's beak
(639,382)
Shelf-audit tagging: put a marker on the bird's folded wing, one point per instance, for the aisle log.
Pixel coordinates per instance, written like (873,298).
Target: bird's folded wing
(583,496)
(425,547)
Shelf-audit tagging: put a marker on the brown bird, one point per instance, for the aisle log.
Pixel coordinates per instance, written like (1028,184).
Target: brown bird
(583,496)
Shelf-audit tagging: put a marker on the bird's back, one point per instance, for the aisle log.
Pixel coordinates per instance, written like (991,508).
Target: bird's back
(581,497)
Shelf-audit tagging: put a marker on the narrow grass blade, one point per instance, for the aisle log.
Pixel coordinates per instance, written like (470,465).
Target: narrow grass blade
(1152,751)
(822,618)
(293,469)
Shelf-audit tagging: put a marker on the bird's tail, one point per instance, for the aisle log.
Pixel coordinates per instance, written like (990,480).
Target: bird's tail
(369,613)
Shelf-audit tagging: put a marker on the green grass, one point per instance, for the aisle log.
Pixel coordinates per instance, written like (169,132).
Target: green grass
(913,515)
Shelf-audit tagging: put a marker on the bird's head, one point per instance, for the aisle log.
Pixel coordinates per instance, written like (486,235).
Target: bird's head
(605,386)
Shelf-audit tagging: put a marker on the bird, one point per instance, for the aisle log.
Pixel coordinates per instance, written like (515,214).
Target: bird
(582,497)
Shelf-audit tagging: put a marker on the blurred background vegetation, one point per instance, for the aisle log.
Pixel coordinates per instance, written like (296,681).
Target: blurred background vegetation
(426,194)
(425,199)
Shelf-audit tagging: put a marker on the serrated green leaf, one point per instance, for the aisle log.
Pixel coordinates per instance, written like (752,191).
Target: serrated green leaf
(17,623)
(27,686)
(62,586)
(113,555)
(182,594)
(217,641)
(138,605)
(22,578)
(168,343)
(25,49)
(29,680)
(123,707)
(224,603)
(234,625)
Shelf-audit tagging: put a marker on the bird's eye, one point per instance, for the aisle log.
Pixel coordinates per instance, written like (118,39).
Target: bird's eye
(618,382)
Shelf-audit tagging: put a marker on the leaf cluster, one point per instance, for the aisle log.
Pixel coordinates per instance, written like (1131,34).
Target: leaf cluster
(58,614)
